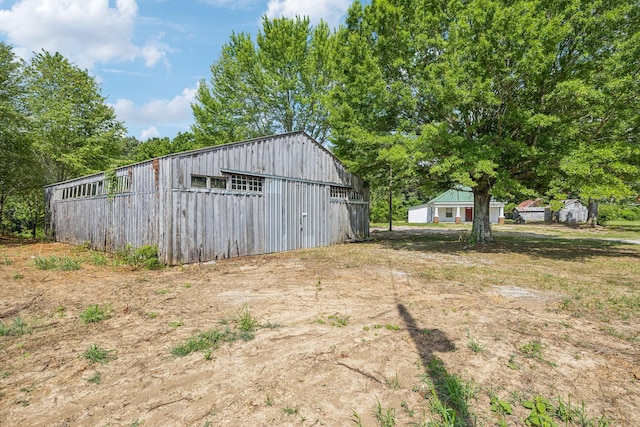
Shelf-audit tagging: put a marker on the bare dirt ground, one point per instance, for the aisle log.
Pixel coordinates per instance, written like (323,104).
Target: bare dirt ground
(352,329)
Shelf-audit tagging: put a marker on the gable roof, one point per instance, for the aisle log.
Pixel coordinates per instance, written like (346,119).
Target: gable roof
(537,203)
(213,148)
(461,194)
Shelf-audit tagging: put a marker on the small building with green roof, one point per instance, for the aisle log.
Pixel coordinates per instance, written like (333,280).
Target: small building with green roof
(454,205)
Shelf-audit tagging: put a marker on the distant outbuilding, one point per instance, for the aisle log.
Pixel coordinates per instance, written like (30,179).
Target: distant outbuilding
(572,211)
(532,210)
(454,205)
(270,194)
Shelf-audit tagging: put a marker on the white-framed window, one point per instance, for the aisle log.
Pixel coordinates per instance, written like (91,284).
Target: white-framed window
(246,182)
(448,213)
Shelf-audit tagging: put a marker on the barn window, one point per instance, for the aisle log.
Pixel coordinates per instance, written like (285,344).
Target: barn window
(217,182)
(449,213)
(199,181)
(123,184)
(339,192)
(246,182)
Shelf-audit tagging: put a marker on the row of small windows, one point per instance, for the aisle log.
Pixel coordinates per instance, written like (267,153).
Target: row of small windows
(256,183)
(97,188)
(237,182)
(345,193)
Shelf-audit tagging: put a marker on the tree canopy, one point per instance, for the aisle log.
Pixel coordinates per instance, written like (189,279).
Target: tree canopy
(271,86)
(503,96)
(73,130)
(16,157)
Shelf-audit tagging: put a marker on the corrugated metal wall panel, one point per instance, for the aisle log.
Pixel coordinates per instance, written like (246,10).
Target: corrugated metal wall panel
(297,215)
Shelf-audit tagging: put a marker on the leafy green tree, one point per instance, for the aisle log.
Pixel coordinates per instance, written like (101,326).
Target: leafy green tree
(17,172)
(368,129)
(504,96)
(274,85)
(158,147)
(74,132)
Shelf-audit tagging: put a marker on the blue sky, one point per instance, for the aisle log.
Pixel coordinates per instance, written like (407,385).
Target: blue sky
(147,55)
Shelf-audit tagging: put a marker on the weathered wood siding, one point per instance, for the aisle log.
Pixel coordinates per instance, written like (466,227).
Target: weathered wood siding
(291,204)
(103,221)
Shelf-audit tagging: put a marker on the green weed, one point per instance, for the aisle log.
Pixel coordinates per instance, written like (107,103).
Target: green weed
(46,263)
(385,417)
(474,345)
(69,264)
(394,383)
(210,339)
(96,313)
(246,321)
(143,257)
(16,329)
(57,263)
(290,411)
(338,321)
(270,325)
(355,417)
(95,354)
(450,395)
(96,378)
(98,259)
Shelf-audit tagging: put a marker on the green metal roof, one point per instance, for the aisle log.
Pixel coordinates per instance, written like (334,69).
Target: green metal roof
(462,194)
(456,195)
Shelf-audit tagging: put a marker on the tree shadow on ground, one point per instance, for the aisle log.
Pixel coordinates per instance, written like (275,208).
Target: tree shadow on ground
(449,390)
(531,244)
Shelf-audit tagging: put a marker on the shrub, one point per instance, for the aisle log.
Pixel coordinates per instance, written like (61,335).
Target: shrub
(631,213)
(611,212)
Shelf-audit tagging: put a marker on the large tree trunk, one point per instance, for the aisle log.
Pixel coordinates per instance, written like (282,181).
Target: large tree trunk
(592,216)
(481,231)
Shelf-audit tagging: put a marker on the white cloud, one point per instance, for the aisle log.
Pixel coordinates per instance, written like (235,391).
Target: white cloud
(331,11)
(148,133)
(157,112)
(231,4)
(85,31)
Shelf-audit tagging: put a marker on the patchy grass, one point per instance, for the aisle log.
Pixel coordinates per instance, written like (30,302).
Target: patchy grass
(239,327)
(420,329)
(53,262)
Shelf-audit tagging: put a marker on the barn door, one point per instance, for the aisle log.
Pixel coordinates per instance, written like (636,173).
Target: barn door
(295,215)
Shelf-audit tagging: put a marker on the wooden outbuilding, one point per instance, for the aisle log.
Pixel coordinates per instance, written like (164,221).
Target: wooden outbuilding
(271,194)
